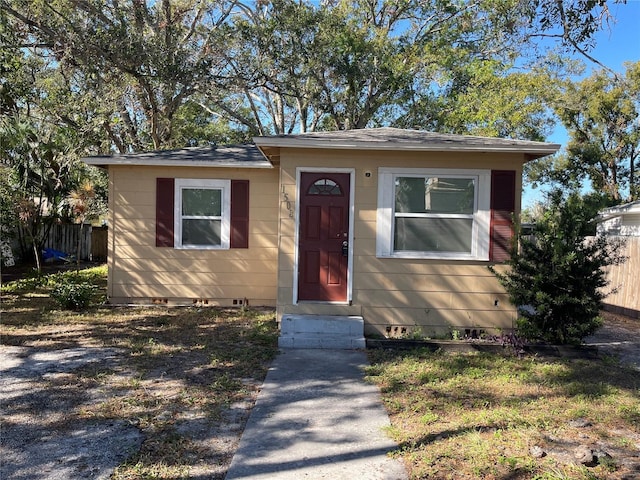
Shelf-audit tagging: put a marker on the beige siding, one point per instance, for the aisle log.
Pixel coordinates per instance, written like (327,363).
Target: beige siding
(435,297)
(625,281)
(140,272)
(432,296)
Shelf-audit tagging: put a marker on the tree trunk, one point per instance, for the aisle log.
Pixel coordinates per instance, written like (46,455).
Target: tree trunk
(79,243)
(36,254)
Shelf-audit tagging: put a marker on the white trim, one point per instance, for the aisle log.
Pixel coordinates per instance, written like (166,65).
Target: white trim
(631,208)
(296,236)
(225,187)
(541,149)
(481,216)
(150,162)
(230,156)
(299,172)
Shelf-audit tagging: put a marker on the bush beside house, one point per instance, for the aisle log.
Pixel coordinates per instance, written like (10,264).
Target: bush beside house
(560,273)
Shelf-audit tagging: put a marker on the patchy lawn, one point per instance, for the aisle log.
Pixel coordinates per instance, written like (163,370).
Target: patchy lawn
(494,417)
(185,377)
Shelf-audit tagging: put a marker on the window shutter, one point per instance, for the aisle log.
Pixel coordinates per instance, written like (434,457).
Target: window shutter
(165,193)
(239,236)
(503,205)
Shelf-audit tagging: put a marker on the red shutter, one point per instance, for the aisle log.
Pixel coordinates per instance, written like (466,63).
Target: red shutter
(503,206)
(165,193)
(239,237)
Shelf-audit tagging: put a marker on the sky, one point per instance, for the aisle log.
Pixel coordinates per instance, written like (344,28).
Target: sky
(615,46)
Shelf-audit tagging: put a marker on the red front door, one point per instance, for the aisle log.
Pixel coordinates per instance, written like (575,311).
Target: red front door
(323,237)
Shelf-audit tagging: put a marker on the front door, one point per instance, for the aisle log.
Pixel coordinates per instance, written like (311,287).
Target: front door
(323,243)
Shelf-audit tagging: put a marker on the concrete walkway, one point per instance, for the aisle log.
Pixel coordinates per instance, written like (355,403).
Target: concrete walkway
(317,418)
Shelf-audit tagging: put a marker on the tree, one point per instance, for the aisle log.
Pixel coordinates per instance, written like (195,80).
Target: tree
(571,25)
(601,114)
(137,68)
(484,98)
(85,205)
(441,65)
(299,66)
(557,278)
(38,149)
(77,78)
(41,165)
(8,218)
(132,65)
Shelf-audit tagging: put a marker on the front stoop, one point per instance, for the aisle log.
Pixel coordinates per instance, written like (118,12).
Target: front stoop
(321,331)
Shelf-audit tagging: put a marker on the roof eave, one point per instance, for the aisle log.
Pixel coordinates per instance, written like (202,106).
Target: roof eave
(104,162)
(632,208)
(532,152)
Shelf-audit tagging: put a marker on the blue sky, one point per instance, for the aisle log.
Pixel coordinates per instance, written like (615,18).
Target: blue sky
(615,46)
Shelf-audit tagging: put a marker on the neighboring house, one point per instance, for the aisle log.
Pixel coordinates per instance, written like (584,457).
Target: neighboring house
(623,221)
(394,226)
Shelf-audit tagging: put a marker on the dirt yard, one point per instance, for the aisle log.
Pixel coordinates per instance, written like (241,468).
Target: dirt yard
(132,393)
(126,393)
(618,338)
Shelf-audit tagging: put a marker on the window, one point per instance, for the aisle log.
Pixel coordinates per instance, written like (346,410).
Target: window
(429,213)
(325,186)
(202,213)
(233,218)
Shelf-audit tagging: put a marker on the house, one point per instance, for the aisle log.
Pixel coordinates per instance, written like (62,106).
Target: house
(393,228)
(622,220)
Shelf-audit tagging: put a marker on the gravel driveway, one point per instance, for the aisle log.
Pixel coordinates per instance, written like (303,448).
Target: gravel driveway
(37,441)
(37,391)
(619,338)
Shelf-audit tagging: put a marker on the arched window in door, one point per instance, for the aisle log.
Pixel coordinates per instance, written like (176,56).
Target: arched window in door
(324,186)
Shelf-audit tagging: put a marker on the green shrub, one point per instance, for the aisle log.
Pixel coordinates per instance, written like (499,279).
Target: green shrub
(559,275)
(31,282)
(73,295)
(38,281)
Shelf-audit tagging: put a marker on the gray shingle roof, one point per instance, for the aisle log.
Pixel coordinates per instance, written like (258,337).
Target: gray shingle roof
(388,138)
(238,156)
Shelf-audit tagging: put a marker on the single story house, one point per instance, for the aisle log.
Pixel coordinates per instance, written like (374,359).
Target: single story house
(622,220)
(394,227)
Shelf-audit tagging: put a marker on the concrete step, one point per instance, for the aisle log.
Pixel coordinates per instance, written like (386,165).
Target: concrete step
(321,341)
(314,308)
(334,324)
(321,331)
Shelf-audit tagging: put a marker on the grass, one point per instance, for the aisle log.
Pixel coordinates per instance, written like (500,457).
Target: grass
(34,282)
(179,366)
(477,416)
(453,416)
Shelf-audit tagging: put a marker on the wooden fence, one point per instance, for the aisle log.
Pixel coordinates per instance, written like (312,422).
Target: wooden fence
(625,279)
(93,243)
(99,244)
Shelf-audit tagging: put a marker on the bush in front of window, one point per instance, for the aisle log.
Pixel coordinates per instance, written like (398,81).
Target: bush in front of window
(558,275)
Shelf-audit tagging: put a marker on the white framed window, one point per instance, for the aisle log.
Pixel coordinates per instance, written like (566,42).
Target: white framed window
(202,213)
(433,213)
